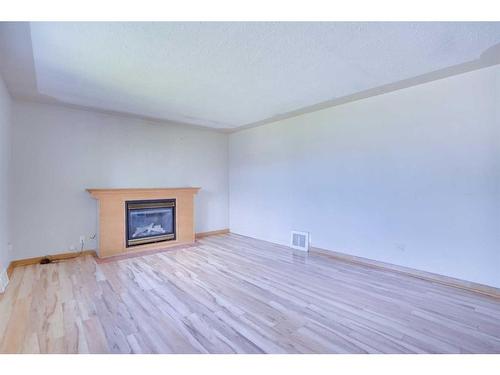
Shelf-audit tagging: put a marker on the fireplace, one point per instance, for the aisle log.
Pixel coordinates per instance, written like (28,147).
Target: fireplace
(150,221)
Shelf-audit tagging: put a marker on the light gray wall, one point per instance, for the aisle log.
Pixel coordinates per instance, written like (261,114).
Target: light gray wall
(410,178)
(5,151)
(58,152)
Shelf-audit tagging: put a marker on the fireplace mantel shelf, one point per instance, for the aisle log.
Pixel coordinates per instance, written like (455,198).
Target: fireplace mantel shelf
(112,217)
(95,192)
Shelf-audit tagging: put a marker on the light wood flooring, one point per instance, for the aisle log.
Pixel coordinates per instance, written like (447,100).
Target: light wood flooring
(233,294)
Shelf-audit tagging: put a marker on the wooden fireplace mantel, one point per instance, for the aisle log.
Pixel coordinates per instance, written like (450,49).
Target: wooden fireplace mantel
(112,227)
(97,192)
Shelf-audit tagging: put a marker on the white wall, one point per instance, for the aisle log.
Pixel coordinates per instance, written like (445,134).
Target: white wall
(58,152)
(411,177)
(5,151)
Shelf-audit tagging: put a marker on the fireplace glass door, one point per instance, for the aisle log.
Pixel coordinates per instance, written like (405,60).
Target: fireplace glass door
(150,221)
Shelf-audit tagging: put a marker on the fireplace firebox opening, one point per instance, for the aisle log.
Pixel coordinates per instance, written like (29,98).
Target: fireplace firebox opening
(150,221)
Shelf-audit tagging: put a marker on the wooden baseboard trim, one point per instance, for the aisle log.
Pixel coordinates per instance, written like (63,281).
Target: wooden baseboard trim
(55,257)
(423,275)
(62,256)
(212,233)
(10,269)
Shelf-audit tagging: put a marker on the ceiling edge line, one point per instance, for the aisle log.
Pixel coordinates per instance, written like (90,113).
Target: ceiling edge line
(436,75)
(126,115)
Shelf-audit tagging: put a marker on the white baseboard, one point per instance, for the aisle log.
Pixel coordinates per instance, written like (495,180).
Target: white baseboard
(4,280)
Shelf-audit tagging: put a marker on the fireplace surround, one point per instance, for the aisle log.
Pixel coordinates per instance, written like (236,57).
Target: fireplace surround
(114,230)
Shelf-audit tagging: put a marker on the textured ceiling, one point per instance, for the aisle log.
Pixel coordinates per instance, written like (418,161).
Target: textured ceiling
(226,75)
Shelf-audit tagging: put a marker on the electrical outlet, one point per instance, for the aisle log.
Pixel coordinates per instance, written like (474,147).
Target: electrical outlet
(10,248)
(72,248)
(82,239)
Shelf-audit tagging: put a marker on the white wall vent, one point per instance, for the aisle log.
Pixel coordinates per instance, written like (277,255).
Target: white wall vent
(4,280)
(299,240)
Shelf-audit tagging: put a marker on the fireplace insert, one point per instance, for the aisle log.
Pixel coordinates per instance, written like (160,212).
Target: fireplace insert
(150,221)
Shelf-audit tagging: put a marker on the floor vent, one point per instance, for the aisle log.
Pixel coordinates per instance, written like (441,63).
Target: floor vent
(299,240)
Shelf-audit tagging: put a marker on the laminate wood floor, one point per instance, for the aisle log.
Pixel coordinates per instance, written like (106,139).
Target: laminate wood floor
(233,294)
